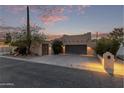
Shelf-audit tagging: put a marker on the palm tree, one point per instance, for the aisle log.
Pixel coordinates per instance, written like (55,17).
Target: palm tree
(28,31)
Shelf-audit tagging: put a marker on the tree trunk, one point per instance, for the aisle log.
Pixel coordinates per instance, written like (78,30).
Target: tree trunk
(28,31)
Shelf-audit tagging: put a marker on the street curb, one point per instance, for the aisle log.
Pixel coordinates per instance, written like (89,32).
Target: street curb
(14,58)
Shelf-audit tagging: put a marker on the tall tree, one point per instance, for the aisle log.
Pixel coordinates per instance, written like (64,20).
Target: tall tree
(28,31)
(117,34)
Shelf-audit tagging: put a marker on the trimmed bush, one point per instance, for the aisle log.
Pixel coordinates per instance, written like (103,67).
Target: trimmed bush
(57,47)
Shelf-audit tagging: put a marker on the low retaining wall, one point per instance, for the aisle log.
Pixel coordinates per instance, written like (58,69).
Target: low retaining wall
(120,60)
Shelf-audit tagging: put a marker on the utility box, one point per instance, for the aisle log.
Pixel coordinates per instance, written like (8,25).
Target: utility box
(109,62)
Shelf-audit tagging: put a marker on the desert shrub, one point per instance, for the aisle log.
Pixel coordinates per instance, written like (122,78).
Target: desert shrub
(21,46)
(114,47)
(8,38)
(22,42)
(104,45)
(110,43)
(21,50)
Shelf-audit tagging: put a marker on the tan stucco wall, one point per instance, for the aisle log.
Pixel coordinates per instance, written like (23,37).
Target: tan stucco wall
(36,49)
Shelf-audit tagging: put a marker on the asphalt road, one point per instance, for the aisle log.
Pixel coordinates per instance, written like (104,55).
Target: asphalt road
(20,74)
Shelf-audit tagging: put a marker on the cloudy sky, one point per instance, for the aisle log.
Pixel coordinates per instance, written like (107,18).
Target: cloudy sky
(65,19)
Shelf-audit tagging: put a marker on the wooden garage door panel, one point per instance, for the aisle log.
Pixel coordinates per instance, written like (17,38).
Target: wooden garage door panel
(45,49)
(76,49)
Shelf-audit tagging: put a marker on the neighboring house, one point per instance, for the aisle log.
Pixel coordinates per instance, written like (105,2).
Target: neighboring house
(77,44)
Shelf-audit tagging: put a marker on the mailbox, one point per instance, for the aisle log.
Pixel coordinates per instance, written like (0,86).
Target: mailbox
(108,62)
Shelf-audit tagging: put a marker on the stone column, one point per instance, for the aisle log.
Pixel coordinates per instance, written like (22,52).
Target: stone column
(63,49)
(108,61)
(50,49)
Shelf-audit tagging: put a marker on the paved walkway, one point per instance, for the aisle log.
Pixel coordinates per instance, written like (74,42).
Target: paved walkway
(15,73)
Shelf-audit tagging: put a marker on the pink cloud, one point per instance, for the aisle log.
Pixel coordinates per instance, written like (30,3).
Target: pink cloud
(50,14)
(57,13)
(53,15)
(48,19)
(53,10)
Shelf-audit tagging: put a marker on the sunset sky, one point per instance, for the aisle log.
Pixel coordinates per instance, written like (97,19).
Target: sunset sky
(65,19)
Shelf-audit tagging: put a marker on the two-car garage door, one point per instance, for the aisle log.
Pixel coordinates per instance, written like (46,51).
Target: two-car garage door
(76,49)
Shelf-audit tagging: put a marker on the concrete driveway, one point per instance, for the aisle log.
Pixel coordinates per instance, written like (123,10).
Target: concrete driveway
(72,61)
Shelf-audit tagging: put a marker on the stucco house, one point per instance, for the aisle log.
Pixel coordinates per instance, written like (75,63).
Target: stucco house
(77,44)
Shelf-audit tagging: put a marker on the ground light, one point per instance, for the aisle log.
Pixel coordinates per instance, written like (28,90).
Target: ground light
(90,51)
(99,67)
(119,68)
(94,66)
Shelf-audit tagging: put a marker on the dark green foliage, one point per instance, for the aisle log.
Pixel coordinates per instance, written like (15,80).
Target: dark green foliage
(114,47)
(111,43)
(57,46)
(21,50)
(103,45)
